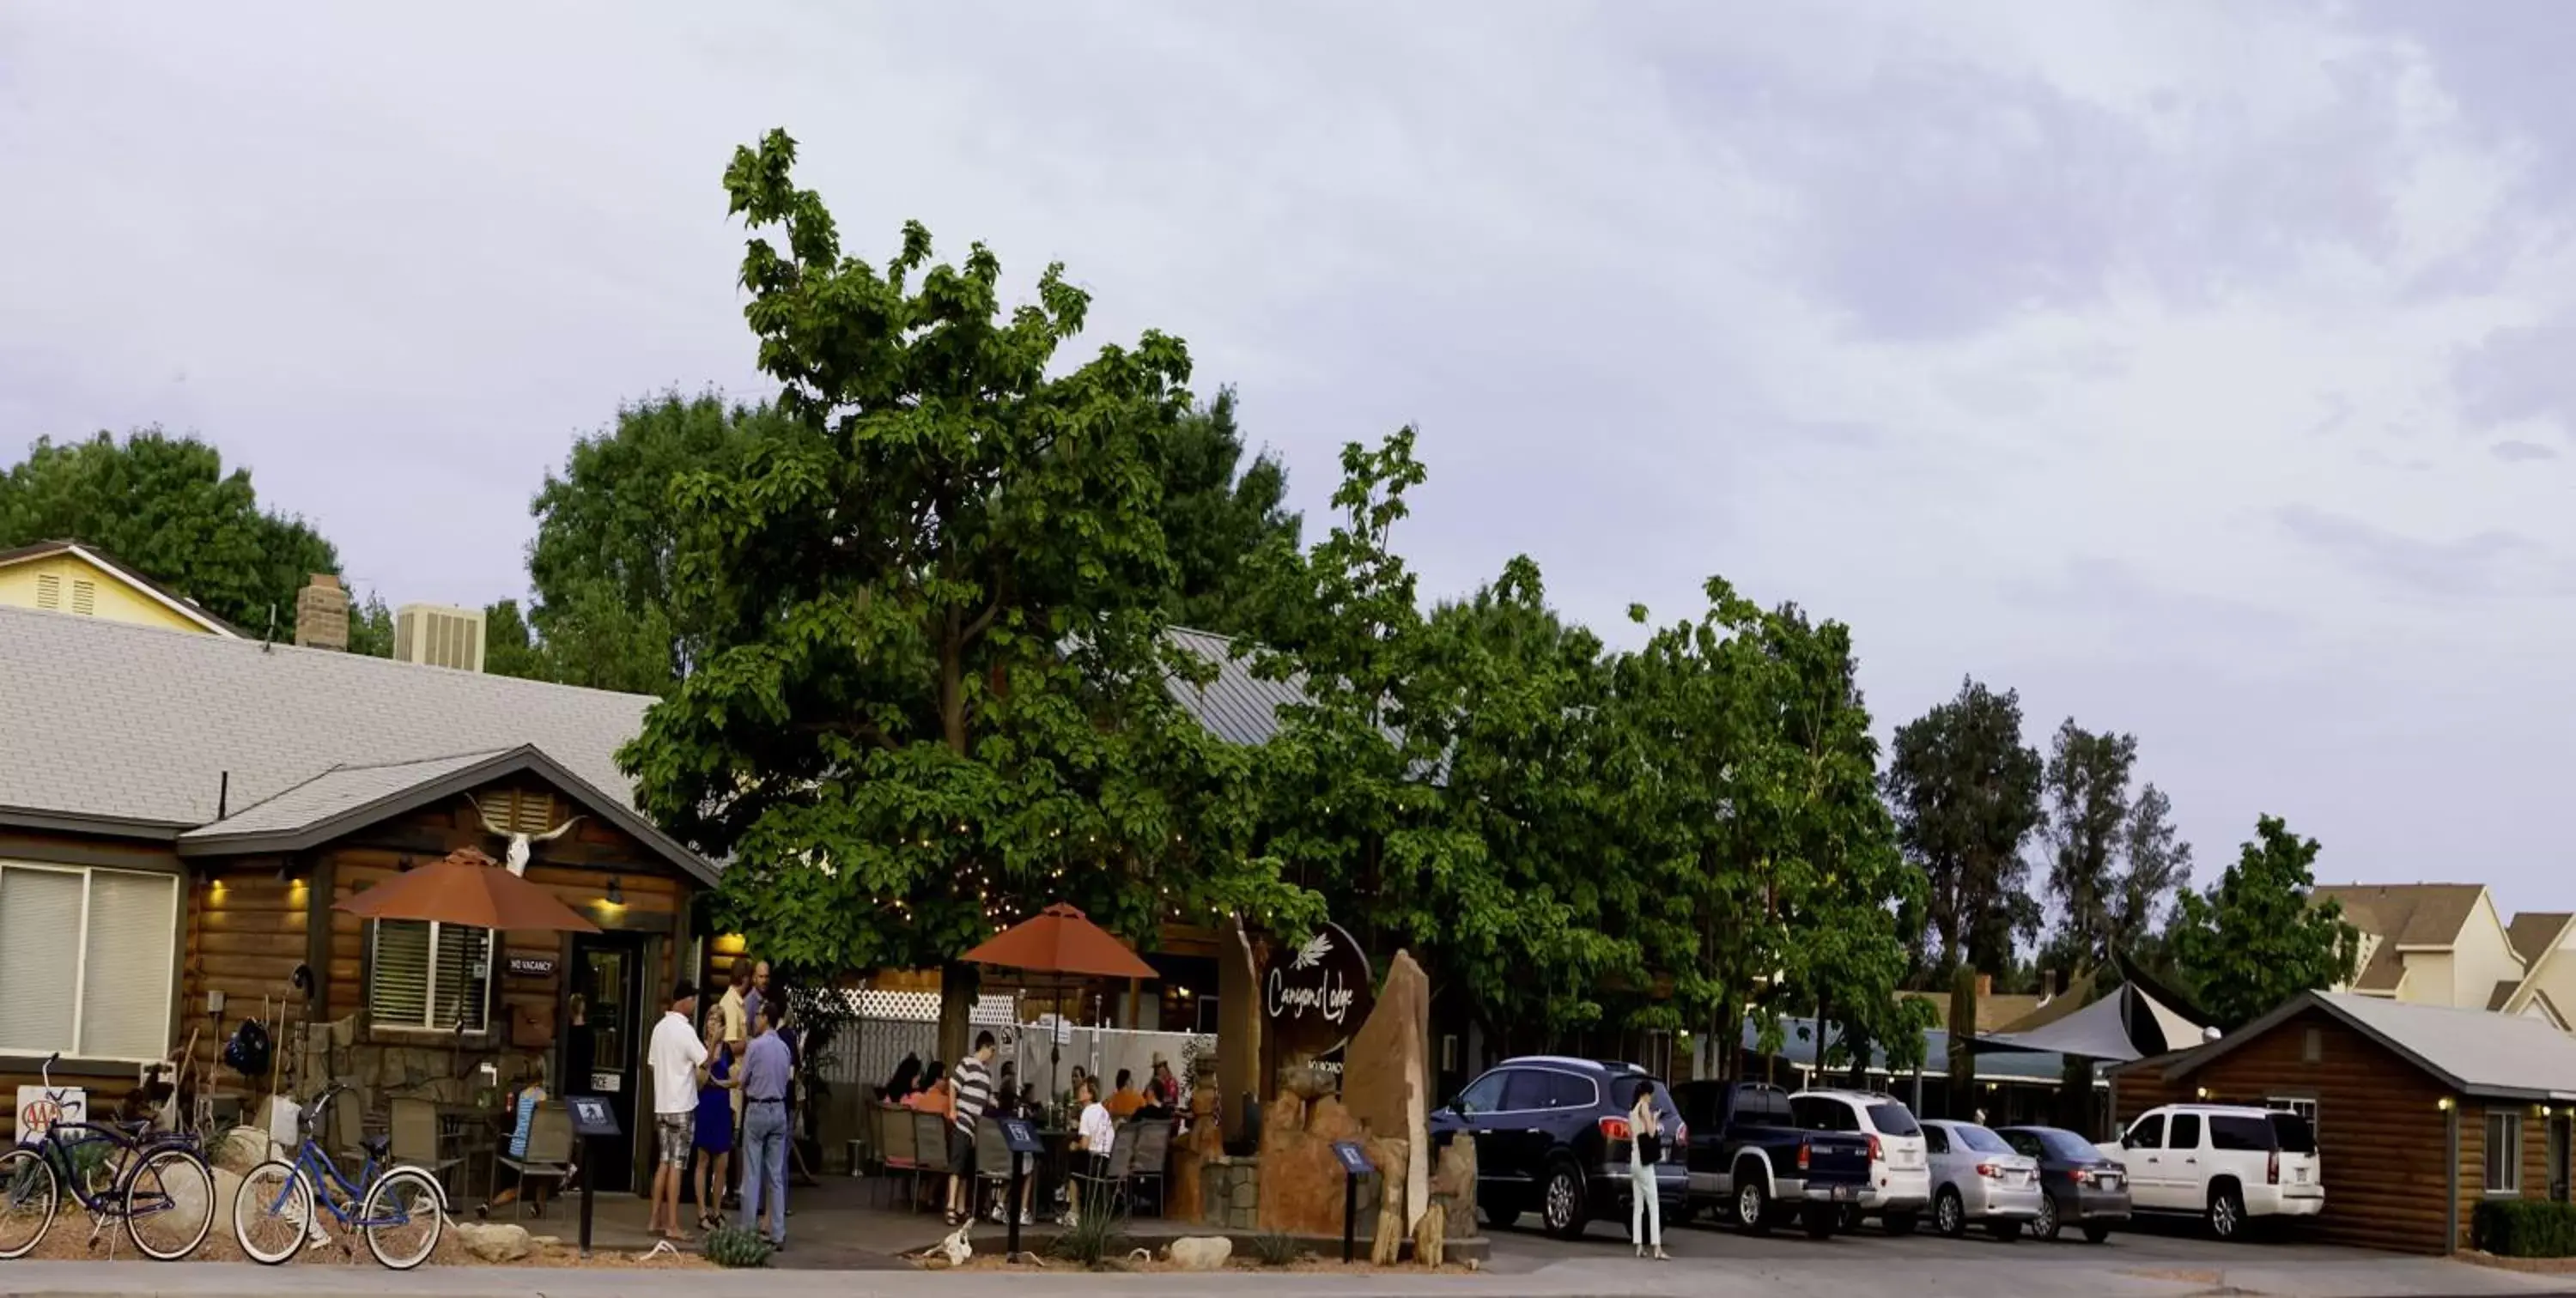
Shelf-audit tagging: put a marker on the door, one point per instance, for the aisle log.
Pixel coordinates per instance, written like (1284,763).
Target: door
(2186,1164)
(1477,1108)
(604,1044)
(2142,1149)
(2558,1157)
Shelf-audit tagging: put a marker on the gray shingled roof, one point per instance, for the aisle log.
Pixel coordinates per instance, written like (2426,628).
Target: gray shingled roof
(1237,706)
(2476,1052)
(108,722)
(335,793)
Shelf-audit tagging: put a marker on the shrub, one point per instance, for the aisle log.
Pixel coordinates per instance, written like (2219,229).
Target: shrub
(2525,1228)
(732,1246)
(1276,1248)
(1096,1237)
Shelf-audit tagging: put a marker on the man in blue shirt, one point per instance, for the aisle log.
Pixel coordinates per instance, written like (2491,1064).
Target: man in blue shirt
(767,1071)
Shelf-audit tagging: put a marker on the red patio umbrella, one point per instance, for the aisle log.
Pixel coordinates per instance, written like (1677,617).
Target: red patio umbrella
(467,888)
(1061,941)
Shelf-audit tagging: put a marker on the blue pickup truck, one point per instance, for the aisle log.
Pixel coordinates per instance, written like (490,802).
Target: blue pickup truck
(1749,1159)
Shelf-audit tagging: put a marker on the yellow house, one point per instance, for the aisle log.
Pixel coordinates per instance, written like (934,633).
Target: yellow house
(68,577)
(2447,944)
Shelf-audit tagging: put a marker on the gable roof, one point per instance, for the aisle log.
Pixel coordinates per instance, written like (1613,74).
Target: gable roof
(112,727)
(149,589)
(2406,914)
(2384,972)
(2500,1056)
(1236,706)
(2534,933)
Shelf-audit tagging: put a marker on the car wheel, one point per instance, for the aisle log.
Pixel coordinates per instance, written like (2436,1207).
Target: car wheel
(2045,1225)
(2096,1231)
(1752,1205)
(1818,1221)
(1949,1216)
(1901,1224)
(2006,1231)
(1561,1207)
(2226,1212)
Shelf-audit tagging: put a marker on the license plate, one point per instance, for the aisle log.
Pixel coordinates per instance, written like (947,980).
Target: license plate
(2030,1178)
(2110,1183)
(2302,1176)
(1845,1193)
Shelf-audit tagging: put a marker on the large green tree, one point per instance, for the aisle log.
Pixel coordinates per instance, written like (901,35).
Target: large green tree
(1219,515)
(933,690)
(2255,939)
(166,507)
(1965,790)
(2087,791)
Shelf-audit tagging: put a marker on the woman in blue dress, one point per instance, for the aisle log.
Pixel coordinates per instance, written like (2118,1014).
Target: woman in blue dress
(714,1136)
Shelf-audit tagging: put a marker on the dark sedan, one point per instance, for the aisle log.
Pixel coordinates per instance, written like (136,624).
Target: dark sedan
(2085,1188)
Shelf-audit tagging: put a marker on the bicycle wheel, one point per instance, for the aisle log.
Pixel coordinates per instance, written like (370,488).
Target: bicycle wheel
(402,1218)
(272,1213)
(169,1204)
(28,1199)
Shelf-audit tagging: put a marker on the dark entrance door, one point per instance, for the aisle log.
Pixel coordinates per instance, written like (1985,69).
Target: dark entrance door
(2558,1157)
(603,1052)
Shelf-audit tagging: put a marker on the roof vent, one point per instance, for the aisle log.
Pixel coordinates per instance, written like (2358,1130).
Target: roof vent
(437,635)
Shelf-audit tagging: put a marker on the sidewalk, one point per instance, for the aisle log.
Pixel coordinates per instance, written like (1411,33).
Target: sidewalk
(2018,1278)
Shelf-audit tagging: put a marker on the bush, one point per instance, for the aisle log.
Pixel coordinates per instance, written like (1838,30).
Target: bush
(1096,1237)
(2524,1228)
(1276,1248)
(732,1246)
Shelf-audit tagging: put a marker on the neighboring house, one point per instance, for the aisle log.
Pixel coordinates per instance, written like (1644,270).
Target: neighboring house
(68,577)
(179,812)
(2445,944)
(2421,1111)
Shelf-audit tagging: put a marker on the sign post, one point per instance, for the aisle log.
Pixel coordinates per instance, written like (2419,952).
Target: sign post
(1355,1164)
(1022,1139)
(593,1121)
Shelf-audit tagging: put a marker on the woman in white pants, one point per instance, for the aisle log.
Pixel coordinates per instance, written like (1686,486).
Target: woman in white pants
(1645,1210)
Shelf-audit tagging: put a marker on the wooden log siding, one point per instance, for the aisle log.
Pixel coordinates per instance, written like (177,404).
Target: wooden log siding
(2380,1128)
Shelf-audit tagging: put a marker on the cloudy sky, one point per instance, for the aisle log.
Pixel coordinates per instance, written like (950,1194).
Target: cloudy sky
(2199,371)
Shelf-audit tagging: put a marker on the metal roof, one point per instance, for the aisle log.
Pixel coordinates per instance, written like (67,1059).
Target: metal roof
(2509,1056)
(1798,1047)
(1236,706)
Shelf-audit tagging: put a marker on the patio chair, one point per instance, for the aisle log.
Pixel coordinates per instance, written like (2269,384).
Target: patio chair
(549,1156)
(1153,1151)
(929,1151)
(993,1163)
(346,1130)
(1104,1189)
(416,1141)
(895,1146)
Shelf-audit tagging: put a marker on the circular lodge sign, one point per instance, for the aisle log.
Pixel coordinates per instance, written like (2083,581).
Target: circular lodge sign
(1317,994)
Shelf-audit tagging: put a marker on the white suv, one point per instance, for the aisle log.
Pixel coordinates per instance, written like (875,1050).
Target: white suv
(2227,1162)
(1900,1172)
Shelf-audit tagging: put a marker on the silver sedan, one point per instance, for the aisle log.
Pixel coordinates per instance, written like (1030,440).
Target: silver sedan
(1978,1179)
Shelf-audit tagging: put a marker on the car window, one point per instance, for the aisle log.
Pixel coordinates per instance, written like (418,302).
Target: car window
(2294,1133)
(1527,1090)
(1691,1101)
(1762,1105)
(1980,1139)
(2184,1133)
(1817,1113)
(2023,1142)
(1484,1095)
(2067,1145)
(1567,1091)
(2146,1133)
(1936,1141)
(1893,1119)
(2228,1131)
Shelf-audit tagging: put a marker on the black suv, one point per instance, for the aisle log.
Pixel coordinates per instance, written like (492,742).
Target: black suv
(1552,1138)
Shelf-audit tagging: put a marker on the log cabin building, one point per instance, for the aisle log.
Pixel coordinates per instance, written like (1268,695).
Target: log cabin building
(2421,1111)
(179,812)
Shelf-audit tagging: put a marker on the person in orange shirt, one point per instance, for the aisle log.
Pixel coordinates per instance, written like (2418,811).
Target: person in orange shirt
(934,1095)
(1123,1103)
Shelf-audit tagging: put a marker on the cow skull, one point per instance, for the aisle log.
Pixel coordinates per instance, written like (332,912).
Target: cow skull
(521,845)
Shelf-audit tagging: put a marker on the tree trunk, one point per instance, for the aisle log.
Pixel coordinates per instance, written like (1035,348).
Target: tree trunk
(959,985)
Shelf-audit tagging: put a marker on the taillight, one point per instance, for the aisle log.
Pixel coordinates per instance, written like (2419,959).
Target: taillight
(2082,1176)
(1806,1152)
(2272,1169)
(1681,1135)
(1990,1171)
(1875,1155)
(1614,1128)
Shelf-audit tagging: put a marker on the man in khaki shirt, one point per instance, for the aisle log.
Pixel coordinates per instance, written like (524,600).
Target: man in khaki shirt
(736,1034)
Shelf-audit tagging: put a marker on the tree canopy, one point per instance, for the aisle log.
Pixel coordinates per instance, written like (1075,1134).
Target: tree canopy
(1965,790)
(2256,938)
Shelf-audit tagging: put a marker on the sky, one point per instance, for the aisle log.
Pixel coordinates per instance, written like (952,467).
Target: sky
(2196,370)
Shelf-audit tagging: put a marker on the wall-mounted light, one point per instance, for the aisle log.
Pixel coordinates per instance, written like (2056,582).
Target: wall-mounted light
(2200,1093)
(616,891)
(2444,1104)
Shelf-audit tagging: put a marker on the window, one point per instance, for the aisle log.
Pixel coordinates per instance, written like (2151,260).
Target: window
(1892,1119)
(1982,1140)
(2147,1133)
(1484,1095)
(2184,1133)
(1817,1113)
(2294,1104)
(2228,1131)
(2023,1142)
(1935,1141)
(1567,1091)
(429,977)
(2504,1153)
(87,958)
(1525,1092)
(2312,1047)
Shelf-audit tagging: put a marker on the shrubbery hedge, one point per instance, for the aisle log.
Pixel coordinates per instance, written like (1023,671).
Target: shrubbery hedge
(2524,1228)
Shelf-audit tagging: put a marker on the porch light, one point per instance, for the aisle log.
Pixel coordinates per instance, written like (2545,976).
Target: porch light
(616,891)
(2200,1093)
(2444,1104)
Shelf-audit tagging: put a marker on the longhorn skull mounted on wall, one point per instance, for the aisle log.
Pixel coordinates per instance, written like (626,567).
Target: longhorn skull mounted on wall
(521,845)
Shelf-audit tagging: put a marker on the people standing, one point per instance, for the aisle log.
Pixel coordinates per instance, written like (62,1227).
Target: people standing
(1645,1149)
(767,1071)
(971,1092)
(678,1060)
(715,1121)
(734,1003)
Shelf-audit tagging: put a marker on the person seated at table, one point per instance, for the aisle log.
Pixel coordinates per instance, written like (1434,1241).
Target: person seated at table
(1126,1099)
(1162,1090)
(906,1080)
(934,1095)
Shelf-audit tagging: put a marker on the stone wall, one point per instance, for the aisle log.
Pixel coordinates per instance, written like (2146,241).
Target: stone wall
(1230,1194)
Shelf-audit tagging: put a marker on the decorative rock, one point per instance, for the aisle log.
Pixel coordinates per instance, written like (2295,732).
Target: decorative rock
(1453,1186)
(1430,1236)
(238,1150)
(1307,1082)
(1301,1179)
(494,1241)
(1386,1080)
(1392,1157)
(1201,1252)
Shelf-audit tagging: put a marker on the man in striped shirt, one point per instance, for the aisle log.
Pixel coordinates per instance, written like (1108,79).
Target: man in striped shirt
(972,1081)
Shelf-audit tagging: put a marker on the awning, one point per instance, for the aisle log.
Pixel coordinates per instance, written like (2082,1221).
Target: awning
(2130,1023)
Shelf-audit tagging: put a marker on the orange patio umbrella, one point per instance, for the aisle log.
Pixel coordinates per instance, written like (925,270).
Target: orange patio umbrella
(467,888)
(1061,941)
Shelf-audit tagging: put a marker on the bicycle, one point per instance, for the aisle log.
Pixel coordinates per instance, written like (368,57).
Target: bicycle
(150,1180)
(391,1204)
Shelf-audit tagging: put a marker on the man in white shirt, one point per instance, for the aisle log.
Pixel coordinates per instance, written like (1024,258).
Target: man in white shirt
(679,1062)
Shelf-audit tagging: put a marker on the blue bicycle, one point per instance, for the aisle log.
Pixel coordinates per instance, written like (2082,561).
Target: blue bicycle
(400,1210)
(157,1183)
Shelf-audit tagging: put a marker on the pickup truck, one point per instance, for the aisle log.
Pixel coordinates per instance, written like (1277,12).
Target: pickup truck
(1749,1158)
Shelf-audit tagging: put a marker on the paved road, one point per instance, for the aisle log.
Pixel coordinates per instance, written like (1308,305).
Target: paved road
(2147,1244)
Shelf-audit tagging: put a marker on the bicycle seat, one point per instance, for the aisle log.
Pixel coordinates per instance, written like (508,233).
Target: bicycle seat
(375,1146)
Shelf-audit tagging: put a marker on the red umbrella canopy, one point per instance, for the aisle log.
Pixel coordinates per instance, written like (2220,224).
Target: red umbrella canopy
(1060,940)
(467,888)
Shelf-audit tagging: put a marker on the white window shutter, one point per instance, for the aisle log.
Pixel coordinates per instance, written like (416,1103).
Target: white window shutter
(125,999)
(40,931)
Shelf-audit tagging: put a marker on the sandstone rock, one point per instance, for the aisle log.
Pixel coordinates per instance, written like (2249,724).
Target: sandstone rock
(494,1241)
(1201,1252)
(1453,1186)
(1430,1236)
(1301,1179)
(238,1150)
(1386,1081)
(1307,1082)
